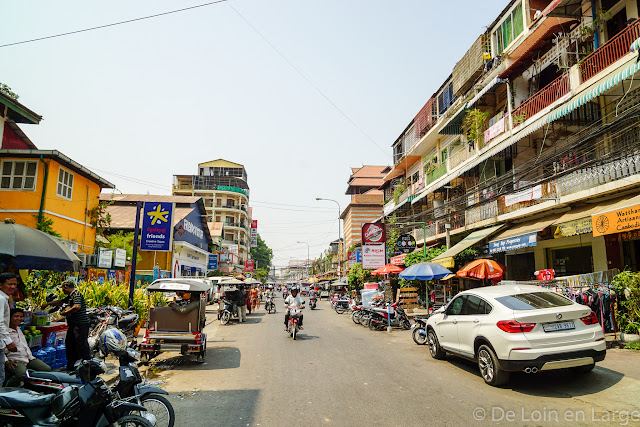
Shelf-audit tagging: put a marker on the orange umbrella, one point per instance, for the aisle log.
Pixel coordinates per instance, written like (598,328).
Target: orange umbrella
(482,269)
(387,269)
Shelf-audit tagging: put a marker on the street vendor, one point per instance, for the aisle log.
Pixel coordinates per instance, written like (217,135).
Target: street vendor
(22,359)
(77,341)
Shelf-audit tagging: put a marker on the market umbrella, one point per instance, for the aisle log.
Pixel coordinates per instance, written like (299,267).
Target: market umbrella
(482,269)
(387,269)
(425,271)
(29,249)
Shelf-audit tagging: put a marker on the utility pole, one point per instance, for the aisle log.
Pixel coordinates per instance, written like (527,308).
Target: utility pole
(339,238)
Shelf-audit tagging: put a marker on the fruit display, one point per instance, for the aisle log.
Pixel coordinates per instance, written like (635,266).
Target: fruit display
(31,332)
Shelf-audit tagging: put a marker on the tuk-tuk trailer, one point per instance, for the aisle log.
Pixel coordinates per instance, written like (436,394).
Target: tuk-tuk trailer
(169,330)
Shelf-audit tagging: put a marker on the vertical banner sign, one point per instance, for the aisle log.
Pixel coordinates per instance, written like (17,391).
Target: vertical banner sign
(212,262)
(248,265)
(157,227)
(254,233)
(374,248)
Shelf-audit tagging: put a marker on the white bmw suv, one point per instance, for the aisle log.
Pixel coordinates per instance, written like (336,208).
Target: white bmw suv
(509,328)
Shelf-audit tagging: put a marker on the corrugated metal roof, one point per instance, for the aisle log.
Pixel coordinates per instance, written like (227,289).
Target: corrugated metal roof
(147,198)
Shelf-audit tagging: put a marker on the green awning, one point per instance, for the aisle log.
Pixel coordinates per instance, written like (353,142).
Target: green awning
(595,91)
(469,241)
(454,124)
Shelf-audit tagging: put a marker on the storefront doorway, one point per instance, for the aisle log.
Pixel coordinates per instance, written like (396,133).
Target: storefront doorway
(571,261)
(520,266)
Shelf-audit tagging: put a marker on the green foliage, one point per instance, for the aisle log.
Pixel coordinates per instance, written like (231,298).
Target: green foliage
(627,285)
(6,90)
(46,226)
(215,273)
(99,218)
(41,283)
(122,241)
(633,346)
(417,257)
(475,124)
(467,255)
(397,192)
(392,234)
(260,273)
(358,276)
(262,254)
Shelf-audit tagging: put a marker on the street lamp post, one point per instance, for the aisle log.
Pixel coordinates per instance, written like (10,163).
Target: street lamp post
(307,257)
(339,238)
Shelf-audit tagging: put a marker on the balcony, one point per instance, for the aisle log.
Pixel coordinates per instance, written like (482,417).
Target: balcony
(609,52)
(542,99)
(436,173)
(481,213)
(460,155)
(538,194)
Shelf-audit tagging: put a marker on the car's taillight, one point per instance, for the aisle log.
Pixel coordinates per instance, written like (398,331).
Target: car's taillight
(513,326)
(591,319)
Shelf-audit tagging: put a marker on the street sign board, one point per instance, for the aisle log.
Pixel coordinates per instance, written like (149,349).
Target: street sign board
(374,256)
(212,263)
(406,243)
(373,233)
(248,265)
(254,233)
(120,259)
(354,258)
(157,226)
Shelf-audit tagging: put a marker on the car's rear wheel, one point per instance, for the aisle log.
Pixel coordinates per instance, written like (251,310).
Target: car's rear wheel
(489,369)
(584,369)
(434,346)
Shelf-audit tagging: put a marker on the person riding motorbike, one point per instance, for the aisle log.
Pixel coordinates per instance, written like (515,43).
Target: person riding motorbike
(313,294)
(293,300)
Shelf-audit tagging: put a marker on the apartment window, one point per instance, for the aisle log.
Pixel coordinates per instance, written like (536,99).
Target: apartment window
(18,175)
(65,184)
(510,28)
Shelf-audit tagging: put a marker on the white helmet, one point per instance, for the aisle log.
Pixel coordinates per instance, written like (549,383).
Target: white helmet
(113,341)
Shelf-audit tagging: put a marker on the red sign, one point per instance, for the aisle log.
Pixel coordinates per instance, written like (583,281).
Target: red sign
(398,260)
(373,233)
(254,223)
(248,265)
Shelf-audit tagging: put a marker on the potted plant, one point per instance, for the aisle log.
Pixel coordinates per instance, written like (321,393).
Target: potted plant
(627,286)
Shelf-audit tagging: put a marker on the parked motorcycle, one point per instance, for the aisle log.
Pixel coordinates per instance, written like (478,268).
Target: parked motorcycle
(292,324)
(129,386)
(269,305)
(393,315)
(419,330)
(91,404)
(227,311)
(103,318)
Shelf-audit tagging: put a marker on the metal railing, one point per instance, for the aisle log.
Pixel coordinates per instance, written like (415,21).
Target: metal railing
(436,173)
(542,99)
(460,155)
(482,212)
(609,52)
(548,191)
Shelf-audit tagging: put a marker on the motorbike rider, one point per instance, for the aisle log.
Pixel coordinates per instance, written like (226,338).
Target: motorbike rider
(313,294)
(293,300)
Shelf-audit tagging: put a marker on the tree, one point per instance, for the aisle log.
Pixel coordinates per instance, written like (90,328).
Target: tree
(99,218)
(122,241)
(6,90)
(262,254)
(46,226)
(392,234)
(358,276)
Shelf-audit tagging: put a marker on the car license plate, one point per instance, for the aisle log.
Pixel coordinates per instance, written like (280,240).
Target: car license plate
(558,326)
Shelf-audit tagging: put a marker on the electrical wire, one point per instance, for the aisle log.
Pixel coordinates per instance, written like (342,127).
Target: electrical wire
(99,27)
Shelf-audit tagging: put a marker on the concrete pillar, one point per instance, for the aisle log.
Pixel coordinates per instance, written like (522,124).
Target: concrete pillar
(599,252)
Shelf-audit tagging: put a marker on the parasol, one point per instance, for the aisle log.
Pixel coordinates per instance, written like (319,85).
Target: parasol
(425,271)
(482,269)
(387,269)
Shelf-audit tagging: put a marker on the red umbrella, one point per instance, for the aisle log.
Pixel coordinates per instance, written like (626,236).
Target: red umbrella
(387,269)
(482,269)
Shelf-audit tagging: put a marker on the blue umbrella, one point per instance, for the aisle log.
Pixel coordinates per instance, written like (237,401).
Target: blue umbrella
(425,271)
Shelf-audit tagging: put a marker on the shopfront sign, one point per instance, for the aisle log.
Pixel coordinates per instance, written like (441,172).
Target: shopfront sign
(254,233)
(513,243)
(406,243)
(374,256)
(398,260)
(157,229)
(248,265)
(230,188)
(354,258)
(212,263)
(373,233)
(120,259)
(616,221)
(572,228)
(105,257)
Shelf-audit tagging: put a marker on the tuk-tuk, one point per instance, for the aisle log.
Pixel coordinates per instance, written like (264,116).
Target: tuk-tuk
(169,330)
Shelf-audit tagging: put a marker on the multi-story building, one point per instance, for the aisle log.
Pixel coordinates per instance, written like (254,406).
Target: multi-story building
(366,201)
(531,141)
(223,186)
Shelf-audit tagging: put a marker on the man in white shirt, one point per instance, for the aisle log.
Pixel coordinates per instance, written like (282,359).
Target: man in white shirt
(8,287)
(22,359)
(293,300)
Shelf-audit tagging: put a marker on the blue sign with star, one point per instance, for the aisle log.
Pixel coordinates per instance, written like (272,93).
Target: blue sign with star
(157,226)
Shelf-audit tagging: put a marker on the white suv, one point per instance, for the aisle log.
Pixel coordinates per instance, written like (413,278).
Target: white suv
(508,328)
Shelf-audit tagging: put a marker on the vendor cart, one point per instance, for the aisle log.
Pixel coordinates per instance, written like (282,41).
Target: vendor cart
(170,330)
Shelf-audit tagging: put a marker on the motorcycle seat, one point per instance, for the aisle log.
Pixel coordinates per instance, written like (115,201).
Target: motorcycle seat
(58,377)
(11,397)
(127,320)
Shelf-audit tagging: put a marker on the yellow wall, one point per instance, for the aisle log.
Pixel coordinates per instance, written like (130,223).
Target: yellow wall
(163,259)
(68,215)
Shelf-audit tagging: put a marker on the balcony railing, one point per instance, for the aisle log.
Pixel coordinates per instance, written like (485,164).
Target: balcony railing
(599,173)
(547,191)
(460,155)
(436,173)
(482,212)
(609,52)
(542,99)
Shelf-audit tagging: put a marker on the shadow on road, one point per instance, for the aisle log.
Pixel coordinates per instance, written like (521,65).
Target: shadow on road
(558,384)
(305,337)
(222,358)
(229,408)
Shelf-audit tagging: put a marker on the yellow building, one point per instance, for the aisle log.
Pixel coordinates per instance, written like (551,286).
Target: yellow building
(45,184)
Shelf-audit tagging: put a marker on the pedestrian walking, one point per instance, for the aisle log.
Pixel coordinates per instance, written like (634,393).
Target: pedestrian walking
(242,304)
(77,341)
(8,287)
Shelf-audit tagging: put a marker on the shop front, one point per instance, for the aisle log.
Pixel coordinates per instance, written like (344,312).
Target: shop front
(188,260)
(619,226)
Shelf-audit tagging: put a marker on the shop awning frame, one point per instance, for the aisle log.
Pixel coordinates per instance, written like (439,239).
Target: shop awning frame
(485,90)
(469,241)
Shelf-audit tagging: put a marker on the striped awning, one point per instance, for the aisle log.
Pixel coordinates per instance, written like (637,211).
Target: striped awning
(595,91)
(486,89)
(635,46)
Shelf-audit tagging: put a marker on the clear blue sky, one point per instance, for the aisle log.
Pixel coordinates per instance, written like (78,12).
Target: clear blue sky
(140,102)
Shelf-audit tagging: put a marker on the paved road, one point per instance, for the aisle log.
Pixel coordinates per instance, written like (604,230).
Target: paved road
(340,374)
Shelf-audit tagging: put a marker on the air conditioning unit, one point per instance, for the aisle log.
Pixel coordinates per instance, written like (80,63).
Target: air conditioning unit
(88,260)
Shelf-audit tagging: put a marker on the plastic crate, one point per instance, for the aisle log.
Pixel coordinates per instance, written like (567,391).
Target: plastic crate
(34,341)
